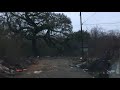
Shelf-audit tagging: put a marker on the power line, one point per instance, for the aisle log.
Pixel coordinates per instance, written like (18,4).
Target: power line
(114,23)
(89,17)
(104,27)
(104,23)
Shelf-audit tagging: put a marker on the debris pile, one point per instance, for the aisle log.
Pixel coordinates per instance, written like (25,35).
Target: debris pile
(8,69)
(5,71)
(97,67)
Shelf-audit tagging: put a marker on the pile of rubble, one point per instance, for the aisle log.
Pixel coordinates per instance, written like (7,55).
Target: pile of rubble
(96,67)
(7,70)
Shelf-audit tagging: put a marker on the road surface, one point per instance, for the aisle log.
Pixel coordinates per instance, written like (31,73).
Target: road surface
(53,68)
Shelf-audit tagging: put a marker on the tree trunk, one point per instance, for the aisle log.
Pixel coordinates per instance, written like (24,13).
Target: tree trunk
(34,48)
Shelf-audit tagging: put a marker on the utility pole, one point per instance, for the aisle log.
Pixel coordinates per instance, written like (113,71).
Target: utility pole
(81,34)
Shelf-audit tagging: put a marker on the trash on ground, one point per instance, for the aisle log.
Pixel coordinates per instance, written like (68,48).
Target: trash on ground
(6,70)
(81,58)
(78,65)
(85,69)
(24,69)
(37,72)
(111,71)
(19,70)
(38,56)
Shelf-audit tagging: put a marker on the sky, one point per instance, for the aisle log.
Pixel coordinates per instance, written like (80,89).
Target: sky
(106,20)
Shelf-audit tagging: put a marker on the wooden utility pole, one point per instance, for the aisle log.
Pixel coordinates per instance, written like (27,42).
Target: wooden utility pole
(81,35)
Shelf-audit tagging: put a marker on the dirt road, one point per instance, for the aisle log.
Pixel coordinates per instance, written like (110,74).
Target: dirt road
(53,68)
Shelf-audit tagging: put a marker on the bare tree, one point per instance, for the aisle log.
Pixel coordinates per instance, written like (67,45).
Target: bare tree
(36,25)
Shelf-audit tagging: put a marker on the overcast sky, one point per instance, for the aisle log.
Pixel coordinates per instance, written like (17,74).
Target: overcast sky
(106,20)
